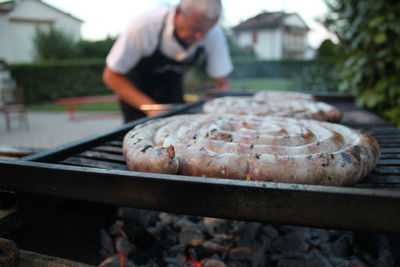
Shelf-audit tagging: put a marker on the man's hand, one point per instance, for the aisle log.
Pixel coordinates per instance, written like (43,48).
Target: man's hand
(151,113)
(125,89)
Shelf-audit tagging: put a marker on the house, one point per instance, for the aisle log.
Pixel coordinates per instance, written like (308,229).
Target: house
(274,36)
(19,20)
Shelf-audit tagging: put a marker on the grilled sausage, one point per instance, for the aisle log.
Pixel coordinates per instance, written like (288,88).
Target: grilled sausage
(263,106)
(253,148)
(282,96)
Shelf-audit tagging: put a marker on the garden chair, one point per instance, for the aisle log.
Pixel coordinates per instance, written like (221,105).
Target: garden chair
(13,104)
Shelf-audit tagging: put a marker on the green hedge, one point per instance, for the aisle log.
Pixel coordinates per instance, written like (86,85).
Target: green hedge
(271,68)
(45,82)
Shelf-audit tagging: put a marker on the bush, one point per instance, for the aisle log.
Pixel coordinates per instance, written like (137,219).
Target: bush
(369,36)
(270,68)
(53,44)
(47,81)
(94,49)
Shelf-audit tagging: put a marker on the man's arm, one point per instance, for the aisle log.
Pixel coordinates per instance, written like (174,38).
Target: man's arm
(127,90)
(222,84)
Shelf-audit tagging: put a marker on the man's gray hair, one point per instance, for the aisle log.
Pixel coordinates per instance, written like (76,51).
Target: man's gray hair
(210,8)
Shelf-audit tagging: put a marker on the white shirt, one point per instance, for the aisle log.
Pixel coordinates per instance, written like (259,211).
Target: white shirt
(142,37)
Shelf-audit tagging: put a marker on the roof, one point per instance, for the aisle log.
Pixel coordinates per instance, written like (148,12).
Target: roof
(7,6)
(264,20)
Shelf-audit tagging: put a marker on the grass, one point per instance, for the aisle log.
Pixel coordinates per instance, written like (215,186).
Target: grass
(258,84)
(255,84)
(89,107)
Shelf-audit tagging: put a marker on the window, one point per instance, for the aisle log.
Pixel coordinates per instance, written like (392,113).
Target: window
(254,37)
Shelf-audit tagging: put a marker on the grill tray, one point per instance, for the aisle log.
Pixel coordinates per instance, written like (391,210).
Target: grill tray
(94,170)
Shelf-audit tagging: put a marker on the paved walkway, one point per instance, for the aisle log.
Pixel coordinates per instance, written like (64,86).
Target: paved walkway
(52,129)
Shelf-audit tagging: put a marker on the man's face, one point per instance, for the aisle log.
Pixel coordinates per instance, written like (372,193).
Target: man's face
(193,26)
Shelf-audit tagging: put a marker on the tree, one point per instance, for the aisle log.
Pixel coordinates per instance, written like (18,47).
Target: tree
(369,34)
(94,49)
(53,44)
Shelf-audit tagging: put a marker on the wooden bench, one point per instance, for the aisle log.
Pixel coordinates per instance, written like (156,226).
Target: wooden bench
(71,104)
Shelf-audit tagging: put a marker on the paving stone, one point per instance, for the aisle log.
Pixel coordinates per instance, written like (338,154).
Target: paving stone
(53,129)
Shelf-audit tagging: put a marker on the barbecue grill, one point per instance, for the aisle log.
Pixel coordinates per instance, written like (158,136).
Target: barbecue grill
(94,170)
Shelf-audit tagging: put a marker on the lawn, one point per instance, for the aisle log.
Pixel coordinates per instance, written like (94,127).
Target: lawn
(98,107)
(255,84)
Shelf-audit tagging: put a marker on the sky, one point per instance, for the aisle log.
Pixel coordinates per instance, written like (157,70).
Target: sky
(109,18)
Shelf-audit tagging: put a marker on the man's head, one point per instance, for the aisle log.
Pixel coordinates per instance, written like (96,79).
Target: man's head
(194,18)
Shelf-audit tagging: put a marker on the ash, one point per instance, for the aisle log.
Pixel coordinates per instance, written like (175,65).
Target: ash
(147,238)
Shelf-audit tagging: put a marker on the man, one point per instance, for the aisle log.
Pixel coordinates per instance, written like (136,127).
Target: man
(147,62)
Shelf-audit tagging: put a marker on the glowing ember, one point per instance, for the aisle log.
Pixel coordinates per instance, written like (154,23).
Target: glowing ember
(192,262)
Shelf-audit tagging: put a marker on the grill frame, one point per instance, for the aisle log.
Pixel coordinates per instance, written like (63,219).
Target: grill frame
(372,206)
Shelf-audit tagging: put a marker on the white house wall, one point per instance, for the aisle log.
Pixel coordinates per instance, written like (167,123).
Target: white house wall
(5,47)
(18,28)
(294,20)
(244,40)
(268,45)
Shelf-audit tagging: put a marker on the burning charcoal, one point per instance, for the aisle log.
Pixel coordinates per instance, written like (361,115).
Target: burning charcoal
(213,263)
(223,238)
(167,218)
(326,248)
(137,234)
(173,262)
(334,234)
(161,231)
(144,217)
(259,258)
(340,262)
(304,233)
(175,250)
(241,255)
(341,247)
(251,229)
(385,259)
(191,256)
(246,241)
(142,257)
(374,249)
(270,231)
(215,247)
(238,226)
(215,225)
(115,261)
(123,246)
(153,263)
(117,228)
(183,223)
(143,239)
(289,243)
(318,255)
(355,261)
(291,228)
(191,236)
(200,252)
(106,244)
(317,237)
(292,255)
(313,262)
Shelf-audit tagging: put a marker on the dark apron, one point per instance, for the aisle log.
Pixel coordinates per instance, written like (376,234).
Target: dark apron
(159,77)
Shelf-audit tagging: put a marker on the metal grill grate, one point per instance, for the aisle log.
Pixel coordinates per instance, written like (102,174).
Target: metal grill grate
(385,175)
(95,170)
